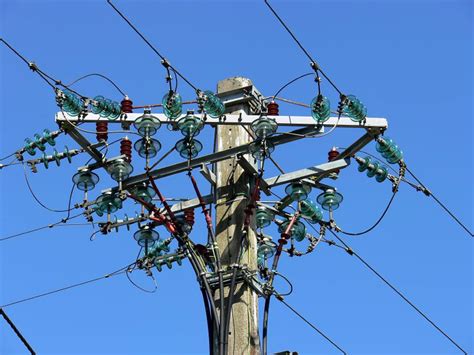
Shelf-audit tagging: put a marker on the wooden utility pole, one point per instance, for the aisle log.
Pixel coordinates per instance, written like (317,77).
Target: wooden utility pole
(233,186)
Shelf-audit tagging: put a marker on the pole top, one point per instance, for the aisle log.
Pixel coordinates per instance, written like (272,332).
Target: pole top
(234,83)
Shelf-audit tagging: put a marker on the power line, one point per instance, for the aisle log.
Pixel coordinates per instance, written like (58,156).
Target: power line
(313,62)
(378,220)
(100,76)
(352,252)
(17,332)
(118,272)
(429,193)
(165,62)
(280,298)
(61,223)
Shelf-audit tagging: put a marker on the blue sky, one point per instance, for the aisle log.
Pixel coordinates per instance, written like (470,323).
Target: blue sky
(408,61)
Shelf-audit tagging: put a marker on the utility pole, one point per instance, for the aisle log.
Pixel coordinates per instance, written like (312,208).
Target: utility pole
(233,191)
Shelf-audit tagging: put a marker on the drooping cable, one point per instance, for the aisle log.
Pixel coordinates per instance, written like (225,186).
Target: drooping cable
(127,273)
(37,199)
(150,45)
(117,272)
(97,75)
(280,298)
(17,332)
(289,83)
(399,293)
(448,211)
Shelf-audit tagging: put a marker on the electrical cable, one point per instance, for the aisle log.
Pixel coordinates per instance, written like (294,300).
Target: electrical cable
(429,193)
(378,220)
(278,297)
(151,46)
(289,283)
(100,76)
(36,198)
(8,156)
(352,252)
(313,62)
(139,287)
(17,332)
(118,272)
(291,82)
(61,223)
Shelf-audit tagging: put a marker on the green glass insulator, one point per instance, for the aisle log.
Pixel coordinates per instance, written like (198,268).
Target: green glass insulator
(115,110)
(161,247)
(44,160)
(266,249)
(106,105)
(355,109)
(188,148)
(147,124)
(85,180)
(109,203)
(311,211)
(190,125)
(320,108)
(172,105)
(381,174)
(48,138)
(99,106)
(389,150)
(97,211)
(330,200)
(264,217)
(264,126)
(39,142)
(261,150)
(72,104)
(30,146)
(298,230)
(364,165)
(213,106)
(119,169)
(56,157)
(147,147)
(373,169)
(298,191)
(146,236)
(179,261)
(143,192)
(67,154)
(260,261)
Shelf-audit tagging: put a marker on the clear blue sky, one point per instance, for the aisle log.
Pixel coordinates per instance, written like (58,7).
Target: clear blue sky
(409,61)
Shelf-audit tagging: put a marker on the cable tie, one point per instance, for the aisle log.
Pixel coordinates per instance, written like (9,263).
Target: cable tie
(349,251)
(32,66)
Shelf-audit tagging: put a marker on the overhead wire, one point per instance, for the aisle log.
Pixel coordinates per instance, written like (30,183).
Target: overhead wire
(280,298)
(313,62)
(17,332)
(151,46)
(37,199)
(399,293)
(117,272)
(429,193)
(61,222)
(97,75)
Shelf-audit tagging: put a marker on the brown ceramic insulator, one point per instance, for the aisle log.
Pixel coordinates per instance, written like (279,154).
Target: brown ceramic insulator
(126,148)
(126,105)
(101,128)
(189,216)
(332,155)
(273,109)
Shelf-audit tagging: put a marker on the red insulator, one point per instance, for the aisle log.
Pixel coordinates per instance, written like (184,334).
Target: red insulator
(101,128)
(189,216)
(272,109)
(126,105)
(332,155)
(126,148)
